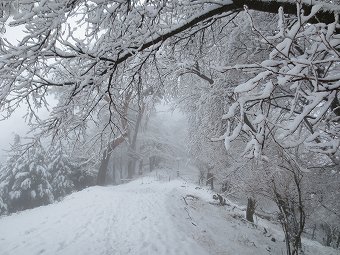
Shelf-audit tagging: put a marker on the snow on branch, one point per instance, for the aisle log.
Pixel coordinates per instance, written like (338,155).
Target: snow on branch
(89,51)
(294,95)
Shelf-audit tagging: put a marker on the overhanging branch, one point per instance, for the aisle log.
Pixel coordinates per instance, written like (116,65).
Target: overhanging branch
(324,15)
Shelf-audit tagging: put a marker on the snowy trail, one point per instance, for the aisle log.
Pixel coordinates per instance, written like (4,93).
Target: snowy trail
(144,217)
(127,219)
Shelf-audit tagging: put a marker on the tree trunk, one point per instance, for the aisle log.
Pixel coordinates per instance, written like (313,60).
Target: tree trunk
(131,168)
(114,174)
(140,167)
(152,163)
(132,149)
(210,180)
(101,177)
(313,232)
(251,205)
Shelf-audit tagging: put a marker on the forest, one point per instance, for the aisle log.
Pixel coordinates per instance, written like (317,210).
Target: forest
(257,81)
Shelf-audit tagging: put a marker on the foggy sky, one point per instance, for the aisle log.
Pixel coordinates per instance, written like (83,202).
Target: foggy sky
(15,124)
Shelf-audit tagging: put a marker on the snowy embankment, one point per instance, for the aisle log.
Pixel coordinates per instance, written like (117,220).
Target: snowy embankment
(146,216)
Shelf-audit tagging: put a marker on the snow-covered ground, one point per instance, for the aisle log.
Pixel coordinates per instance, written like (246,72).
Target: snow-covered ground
(151,215)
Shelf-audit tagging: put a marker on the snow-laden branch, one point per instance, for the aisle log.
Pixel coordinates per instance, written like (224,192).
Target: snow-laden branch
(90,51)
(294,95)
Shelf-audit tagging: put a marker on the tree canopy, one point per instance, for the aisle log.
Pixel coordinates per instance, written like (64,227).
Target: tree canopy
(100,57)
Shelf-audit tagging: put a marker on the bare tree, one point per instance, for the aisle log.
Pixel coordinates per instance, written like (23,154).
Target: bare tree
(288,194)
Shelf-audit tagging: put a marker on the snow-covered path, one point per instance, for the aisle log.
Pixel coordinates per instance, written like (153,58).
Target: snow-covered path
(146,216)
(128,219)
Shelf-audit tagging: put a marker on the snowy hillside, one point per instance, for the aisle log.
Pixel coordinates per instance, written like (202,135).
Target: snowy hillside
(151,215)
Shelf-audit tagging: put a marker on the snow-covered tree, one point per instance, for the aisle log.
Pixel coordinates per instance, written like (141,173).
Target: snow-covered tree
(62,170)
(93,53)
(206,100)
(7,174)
(3,202)
(323,190)
(160,141)
(293,96)
(26,180)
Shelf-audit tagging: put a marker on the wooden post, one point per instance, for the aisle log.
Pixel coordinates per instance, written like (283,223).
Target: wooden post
(251,205)
(140,168)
